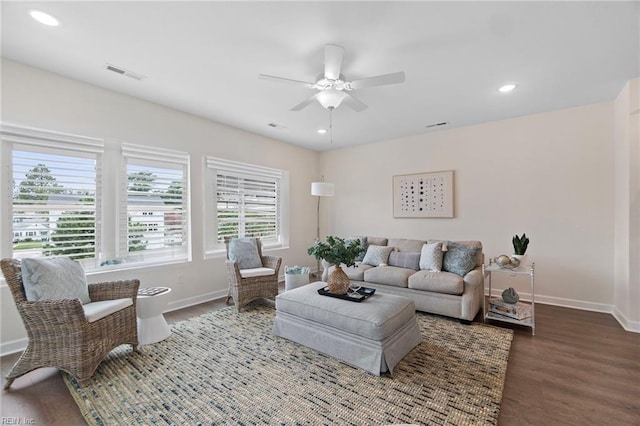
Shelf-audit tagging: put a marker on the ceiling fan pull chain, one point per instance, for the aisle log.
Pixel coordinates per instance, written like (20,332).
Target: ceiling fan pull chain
(331,125)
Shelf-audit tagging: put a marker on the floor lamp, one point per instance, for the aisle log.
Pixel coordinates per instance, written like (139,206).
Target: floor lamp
(321,189)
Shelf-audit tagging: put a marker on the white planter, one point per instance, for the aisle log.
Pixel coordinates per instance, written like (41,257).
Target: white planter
(292,281)
(521,257)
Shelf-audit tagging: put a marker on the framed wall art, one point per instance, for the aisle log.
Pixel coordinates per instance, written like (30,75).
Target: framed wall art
(423,195)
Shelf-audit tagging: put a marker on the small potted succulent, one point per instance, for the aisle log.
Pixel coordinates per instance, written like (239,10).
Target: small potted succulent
(520,245)
(335,251)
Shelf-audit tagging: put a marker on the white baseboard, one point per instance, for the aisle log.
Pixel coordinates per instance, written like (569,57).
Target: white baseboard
(19,345)
(633,326)
(13,346)
(196,300)
(579,304)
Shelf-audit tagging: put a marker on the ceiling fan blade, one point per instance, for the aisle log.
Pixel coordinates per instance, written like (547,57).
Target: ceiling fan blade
(354,103)
(286,80)
(332,61)
(304,103)
(378,80)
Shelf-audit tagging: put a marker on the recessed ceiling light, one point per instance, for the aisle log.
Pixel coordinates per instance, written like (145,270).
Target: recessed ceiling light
(507,88)
(322,131)
(44,18)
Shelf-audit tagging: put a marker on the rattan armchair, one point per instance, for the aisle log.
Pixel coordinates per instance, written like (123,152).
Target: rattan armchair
(59,334)
(245,289)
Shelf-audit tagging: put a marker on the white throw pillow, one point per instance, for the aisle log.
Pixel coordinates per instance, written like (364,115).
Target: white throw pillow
(377,255)
(54,279)
(431,257)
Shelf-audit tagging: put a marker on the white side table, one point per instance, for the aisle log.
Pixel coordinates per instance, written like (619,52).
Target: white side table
(152,327)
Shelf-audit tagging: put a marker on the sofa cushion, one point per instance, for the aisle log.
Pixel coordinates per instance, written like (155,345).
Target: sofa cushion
(363,243)
(437,282)
(408,260)
(355,273)
(389,275)
(459,258)
(431,257)
(377,241)
(377,255)
(404,244)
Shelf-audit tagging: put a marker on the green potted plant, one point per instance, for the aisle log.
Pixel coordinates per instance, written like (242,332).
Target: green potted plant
(337,252)
(520,245)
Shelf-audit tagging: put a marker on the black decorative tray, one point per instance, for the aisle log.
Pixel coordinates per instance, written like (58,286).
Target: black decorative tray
(352,296)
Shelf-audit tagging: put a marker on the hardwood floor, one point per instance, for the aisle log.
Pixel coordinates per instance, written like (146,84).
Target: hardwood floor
(581,368)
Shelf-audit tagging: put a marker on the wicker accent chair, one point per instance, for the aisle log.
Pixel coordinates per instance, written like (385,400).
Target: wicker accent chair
(59,333)
(244,286)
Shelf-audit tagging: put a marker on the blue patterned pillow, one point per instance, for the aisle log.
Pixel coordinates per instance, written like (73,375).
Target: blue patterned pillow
(363,244)
(245,252)
(54,279)
(459,258)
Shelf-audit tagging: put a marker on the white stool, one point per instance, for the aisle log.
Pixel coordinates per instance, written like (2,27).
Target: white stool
(152,327)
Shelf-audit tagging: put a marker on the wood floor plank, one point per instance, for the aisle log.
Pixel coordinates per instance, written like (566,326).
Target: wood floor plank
(581,368)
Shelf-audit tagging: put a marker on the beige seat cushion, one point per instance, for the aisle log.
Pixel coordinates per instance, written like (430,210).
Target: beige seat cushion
(437,282)
(256,272)
(389,275)
(94,311)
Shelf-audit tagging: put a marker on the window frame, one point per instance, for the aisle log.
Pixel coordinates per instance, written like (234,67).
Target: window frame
(42,142)
(109,200)
(212,167)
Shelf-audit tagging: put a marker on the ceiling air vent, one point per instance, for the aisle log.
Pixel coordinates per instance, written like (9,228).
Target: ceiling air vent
(276,126)
(122,71)
(442,123)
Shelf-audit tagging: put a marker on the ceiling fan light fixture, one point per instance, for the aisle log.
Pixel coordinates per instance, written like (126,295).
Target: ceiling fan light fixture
(331,98)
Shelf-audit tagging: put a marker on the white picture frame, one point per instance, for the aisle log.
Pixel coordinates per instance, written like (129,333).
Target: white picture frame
(423,195)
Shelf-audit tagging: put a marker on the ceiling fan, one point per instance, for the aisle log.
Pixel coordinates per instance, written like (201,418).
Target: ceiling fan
(333,88)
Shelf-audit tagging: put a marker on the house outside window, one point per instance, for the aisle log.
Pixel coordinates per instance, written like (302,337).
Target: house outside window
(54,204)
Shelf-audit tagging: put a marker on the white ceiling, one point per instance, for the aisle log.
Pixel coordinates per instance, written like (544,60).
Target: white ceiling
(204,58)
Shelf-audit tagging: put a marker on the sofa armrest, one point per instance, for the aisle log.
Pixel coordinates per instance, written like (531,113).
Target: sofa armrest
(325,270)
(474,277)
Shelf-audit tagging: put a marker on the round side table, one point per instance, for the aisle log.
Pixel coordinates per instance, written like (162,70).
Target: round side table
(152,327)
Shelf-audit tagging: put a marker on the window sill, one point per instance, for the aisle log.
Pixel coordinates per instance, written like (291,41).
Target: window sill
(222,252)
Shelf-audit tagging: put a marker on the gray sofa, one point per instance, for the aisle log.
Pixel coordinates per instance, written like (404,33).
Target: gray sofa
(443,293)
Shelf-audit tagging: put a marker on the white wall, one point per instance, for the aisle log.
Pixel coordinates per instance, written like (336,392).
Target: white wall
(627,203)
(36,98)
(549,175)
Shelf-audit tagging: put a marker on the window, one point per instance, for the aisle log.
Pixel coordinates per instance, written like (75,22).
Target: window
(55,194)
(98,202)
(154,222)
(244,200)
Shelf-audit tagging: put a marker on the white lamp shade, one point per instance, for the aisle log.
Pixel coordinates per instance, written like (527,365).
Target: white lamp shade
(323,189)
(331,98)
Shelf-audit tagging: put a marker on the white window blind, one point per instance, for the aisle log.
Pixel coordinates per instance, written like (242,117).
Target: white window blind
(154,221)
(247,200)
(56,183)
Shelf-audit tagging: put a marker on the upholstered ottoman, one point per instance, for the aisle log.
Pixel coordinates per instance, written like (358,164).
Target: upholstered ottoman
(374,334)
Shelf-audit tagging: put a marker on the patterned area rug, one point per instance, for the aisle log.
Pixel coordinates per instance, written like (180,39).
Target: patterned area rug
(227,368)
